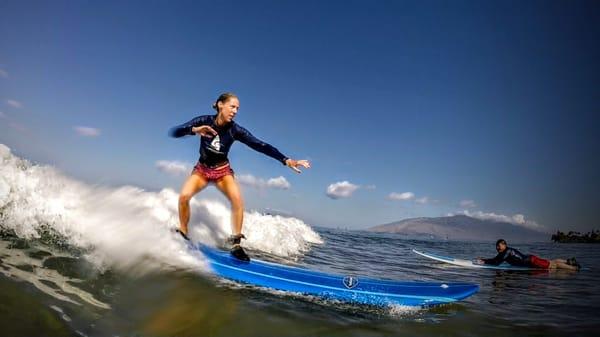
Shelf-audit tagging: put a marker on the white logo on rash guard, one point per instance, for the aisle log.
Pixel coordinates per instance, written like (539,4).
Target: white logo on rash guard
(216,143)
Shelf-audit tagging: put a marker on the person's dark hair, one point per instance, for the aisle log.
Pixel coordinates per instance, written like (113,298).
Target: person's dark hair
(501,241)
(223,98)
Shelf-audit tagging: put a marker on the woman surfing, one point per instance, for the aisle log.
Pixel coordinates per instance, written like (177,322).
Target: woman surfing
(217,134)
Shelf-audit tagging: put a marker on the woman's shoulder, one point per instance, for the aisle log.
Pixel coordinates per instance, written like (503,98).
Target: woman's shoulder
(237,127)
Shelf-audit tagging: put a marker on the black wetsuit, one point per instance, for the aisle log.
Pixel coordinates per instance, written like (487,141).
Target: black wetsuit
(214,150)
(510,255)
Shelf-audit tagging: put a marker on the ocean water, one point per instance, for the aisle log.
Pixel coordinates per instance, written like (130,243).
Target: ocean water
(83,260)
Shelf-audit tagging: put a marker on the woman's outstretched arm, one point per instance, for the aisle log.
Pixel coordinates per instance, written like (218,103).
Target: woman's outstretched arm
(256,144)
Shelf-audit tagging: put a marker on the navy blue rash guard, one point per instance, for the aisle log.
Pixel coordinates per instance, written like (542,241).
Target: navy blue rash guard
(510,255)
(214,150)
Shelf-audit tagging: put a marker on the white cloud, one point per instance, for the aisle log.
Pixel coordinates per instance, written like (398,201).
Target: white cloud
(175,168)
(370,187)
(2,115)
(279,182)
(341,189)
(467,204)
(3,73)
(517,219)
(422,200)
(248,180)
(14,103)
(275,183)
(86,131)
(401,196)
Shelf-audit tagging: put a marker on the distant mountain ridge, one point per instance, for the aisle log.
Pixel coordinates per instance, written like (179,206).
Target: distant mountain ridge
(462,228)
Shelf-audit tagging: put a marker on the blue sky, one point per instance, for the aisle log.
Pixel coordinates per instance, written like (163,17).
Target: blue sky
(424,108)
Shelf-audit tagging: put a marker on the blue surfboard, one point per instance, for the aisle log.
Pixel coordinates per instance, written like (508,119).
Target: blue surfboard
(348,288)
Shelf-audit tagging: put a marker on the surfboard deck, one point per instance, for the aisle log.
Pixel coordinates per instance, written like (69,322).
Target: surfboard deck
(349,288)
(468,263)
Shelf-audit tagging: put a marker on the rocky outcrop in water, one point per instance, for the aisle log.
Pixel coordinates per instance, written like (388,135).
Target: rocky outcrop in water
(576,237)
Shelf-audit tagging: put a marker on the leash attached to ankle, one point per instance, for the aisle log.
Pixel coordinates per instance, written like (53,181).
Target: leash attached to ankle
(236,239)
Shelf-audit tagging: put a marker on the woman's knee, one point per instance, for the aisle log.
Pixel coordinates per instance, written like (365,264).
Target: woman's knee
(184,198)
(237,202)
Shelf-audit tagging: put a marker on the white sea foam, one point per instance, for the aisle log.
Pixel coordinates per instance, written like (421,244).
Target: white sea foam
(397,310)
(126,225)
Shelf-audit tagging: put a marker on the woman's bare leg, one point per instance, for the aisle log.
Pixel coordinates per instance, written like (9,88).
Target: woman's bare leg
(232,191)
(194,184)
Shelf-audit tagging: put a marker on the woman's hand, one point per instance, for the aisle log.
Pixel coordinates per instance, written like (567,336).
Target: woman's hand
(293,164)
(205,131)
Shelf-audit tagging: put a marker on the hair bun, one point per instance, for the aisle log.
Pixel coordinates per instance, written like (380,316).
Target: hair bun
(223,98)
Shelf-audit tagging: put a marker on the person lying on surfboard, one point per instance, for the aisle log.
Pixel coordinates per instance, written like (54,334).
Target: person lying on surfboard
(217,134)
(516,258)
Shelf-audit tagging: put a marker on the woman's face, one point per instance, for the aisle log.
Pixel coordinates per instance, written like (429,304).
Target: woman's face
(229,109)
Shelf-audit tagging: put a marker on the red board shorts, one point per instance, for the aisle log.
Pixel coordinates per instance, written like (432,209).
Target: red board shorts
(212,173)
(537,262)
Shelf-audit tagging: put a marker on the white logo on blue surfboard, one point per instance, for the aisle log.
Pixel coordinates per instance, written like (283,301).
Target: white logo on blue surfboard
(350,282)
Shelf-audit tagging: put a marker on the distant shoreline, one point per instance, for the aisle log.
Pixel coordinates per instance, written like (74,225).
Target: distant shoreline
(576,237)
